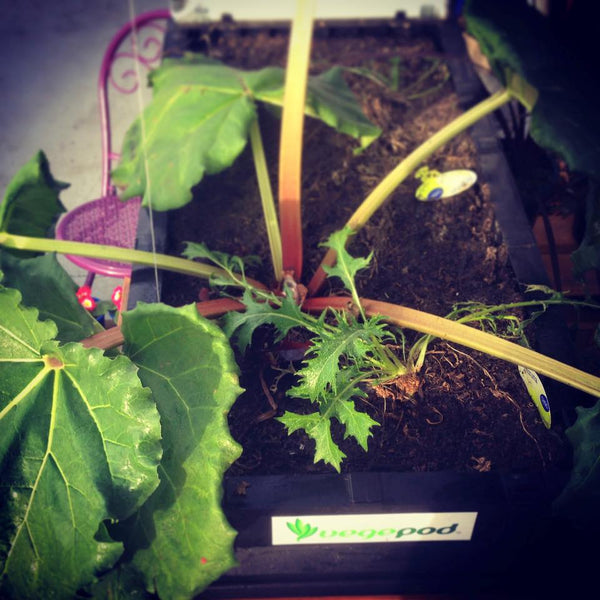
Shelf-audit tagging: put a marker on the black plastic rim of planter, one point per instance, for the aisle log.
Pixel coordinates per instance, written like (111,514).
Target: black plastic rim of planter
(513,509)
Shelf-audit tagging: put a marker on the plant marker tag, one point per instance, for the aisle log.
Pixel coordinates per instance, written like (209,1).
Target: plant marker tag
(538,394)
(438,185)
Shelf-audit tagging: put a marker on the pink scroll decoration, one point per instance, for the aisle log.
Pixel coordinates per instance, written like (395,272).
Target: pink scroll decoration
(123,76)
(149,53)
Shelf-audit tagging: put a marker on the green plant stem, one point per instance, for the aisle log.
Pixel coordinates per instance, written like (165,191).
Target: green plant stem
(474,316)
(385,188)
(266,198)
(125,255)
(445,329)
(290,152)
(387,362)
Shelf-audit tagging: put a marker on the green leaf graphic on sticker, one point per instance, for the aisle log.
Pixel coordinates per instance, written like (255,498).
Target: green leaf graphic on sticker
(536,390)
(301,530)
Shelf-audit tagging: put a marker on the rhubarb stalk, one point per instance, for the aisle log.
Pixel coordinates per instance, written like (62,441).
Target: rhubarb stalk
(290,153)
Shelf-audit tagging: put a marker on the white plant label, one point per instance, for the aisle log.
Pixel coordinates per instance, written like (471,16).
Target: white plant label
(438,185)
(536,390)
(365,528)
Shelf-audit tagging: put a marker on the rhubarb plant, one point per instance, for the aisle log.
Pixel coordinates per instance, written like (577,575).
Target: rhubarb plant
(202,114)
(199,119)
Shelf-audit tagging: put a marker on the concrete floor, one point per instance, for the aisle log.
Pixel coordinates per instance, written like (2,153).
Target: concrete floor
(50,56)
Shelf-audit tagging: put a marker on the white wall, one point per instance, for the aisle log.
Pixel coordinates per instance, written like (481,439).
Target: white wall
(325,9)
(50,56)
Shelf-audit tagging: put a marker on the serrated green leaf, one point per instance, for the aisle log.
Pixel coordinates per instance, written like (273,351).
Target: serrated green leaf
(198,123)
(79,443)
(181,539)
(258,312)
(357,424)
(320,371)
(346,266)
(334,405)
(201,250)
(235,264)
(317,428)
(45,285)
(31,205)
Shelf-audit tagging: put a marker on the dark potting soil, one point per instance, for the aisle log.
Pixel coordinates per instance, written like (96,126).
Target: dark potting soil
(470,412)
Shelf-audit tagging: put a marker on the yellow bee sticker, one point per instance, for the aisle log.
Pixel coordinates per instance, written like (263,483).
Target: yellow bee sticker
(436,185)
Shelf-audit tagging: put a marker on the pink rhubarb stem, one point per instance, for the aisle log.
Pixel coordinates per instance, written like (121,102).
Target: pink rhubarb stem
(290,153)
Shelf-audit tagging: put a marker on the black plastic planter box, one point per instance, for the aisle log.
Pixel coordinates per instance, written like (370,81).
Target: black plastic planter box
(515,543)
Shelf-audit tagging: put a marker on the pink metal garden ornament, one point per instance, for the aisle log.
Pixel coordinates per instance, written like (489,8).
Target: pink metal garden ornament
(107,220)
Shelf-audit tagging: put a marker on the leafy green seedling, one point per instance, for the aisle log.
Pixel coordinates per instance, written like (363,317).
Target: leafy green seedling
(346,351)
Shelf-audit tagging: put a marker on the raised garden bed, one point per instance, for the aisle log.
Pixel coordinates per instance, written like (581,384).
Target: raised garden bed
(447,479)
(470,440)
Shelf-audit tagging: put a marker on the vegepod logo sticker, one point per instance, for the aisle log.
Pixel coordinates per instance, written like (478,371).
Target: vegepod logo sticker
(358,529)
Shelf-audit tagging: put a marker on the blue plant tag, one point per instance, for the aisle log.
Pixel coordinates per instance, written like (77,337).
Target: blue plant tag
(538,394)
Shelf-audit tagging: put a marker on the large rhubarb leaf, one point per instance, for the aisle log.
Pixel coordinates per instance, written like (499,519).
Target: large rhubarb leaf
(31,204)
(79,444)
(45,285)
(581,497)
(181,539)
(198,123)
